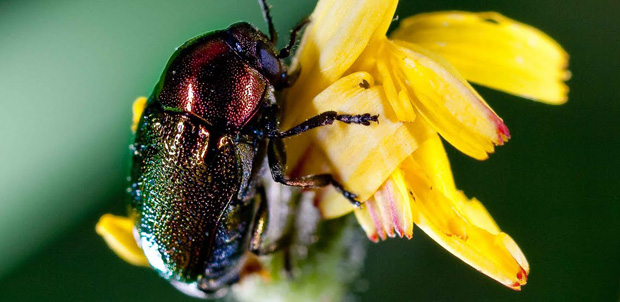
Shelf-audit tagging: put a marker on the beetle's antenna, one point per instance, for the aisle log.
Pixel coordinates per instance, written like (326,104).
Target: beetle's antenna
(273,36)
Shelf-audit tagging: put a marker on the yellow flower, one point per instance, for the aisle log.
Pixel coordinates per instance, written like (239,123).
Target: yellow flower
(416,80)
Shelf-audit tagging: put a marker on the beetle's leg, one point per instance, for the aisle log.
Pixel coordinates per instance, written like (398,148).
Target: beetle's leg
(286,51)
(288,263)
(284,241)
(260,225)
(327,118)
(276,155)
(273,35)
(257,244)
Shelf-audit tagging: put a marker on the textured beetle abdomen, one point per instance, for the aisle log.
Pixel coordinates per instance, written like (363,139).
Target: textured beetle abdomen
(183,179)
(208,79)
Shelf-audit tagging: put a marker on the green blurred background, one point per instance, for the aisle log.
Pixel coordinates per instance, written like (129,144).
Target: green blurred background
(71,69)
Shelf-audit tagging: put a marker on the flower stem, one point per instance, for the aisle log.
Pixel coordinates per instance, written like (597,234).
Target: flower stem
(321,271)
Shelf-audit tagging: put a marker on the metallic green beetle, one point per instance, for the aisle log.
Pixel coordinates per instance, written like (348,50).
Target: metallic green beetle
(199,148)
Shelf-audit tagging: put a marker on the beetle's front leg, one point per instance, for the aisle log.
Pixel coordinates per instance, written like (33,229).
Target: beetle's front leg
(276,155)
(327,118)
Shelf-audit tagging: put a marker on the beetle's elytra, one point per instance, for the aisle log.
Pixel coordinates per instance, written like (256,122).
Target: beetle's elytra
(199,146)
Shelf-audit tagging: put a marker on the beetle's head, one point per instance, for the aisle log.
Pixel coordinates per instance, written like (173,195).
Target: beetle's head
(256,48)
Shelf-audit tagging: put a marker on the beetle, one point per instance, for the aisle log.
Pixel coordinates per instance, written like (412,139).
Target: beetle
(195,182)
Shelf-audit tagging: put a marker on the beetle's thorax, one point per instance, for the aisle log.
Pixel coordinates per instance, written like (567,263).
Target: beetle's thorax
(210,80)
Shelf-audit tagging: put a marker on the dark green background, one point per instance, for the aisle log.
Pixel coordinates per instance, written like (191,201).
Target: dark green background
(71,69)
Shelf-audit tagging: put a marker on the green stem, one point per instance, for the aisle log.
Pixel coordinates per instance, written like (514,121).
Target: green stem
(322,271)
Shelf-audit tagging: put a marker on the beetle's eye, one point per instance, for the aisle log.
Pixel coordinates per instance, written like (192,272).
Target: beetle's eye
(234,43)
(268,61)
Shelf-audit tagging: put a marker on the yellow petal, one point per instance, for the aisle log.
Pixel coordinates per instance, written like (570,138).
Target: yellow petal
(447,102)
(117,232)
(387,214)
(338,33)
(494,51)
(434,161)
(378,219)
(396,192)
(332,204)
(354,151)
(396,93)
(476,241)
(384,201)
(364,218)
(432,158)
(138,107)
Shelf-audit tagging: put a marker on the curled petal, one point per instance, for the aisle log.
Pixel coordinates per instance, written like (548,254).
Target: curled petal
(423,182)
(387,213)
(394,210)
(494,51)
(396,192)
(383,215)
(117,232)
(364,217)
(433,160)
(447,102)
(382,225)
(460,225)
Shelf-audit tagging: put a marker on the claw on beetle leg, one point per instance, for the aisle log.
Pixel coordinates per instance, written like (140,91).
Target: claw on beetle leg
(348,195)
(253,266)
